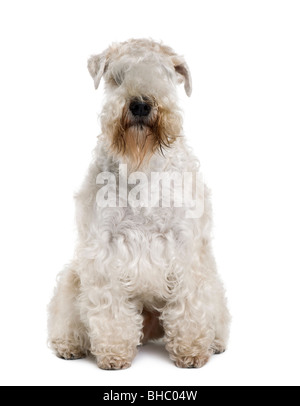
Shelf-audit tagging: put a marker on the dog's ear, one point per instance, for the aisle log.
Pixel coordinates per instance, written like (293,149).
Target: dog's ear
(183,71)
(97,65)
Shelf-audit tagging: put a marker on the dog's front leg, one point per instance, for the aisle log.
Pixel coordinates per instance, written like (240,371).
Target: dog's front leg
(114,324)
(188,332)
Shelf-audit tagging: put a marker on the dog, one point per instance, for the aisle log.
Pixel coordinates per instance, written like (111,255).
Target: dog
(140,272)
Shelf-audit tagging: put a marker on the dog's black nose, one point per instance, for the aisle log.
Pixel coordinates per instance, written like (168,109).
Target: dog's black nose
(139,109)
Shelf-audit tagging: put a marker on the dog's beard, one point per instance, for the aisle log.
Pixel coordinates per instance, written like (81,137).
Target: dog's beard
(139,142)
(137,139)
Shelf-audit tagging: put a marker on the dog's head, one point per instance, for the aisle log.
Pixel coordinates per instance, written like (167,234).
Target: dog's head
(141,115)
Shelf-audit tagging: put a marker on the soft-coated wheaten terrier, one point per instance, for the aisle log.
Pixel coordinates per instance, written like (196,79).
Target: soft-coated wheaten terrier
(142,269)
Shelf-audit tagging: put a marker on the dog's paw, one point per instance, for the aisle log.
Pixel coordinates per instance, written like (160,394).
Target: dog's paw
(112,363)
(192,362)
(66,350)
(218,347)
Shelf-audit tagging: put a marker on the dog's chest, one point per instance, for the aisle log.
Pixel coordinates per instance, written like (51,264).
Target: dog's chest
(153,233)
(145,249)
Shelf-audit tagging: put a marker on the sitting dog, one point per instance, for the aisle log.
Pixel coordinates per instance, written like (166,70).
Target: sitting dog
(143,267)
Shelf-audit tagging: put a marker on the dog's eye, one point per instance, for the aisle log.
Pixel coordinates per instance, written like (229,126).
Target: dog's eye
(118,78)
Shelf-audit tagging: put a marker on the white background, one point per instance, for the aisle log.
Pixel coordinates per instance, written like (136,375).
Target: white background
(242,120)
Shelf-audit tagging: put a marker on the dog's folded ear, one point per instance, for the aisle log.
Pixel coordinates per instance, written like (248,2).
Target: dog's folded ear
(183,71)
(97,65)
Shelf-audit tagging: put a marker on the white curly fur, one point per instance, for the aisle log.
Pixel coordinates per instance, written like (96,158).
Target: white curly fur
(131,259)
